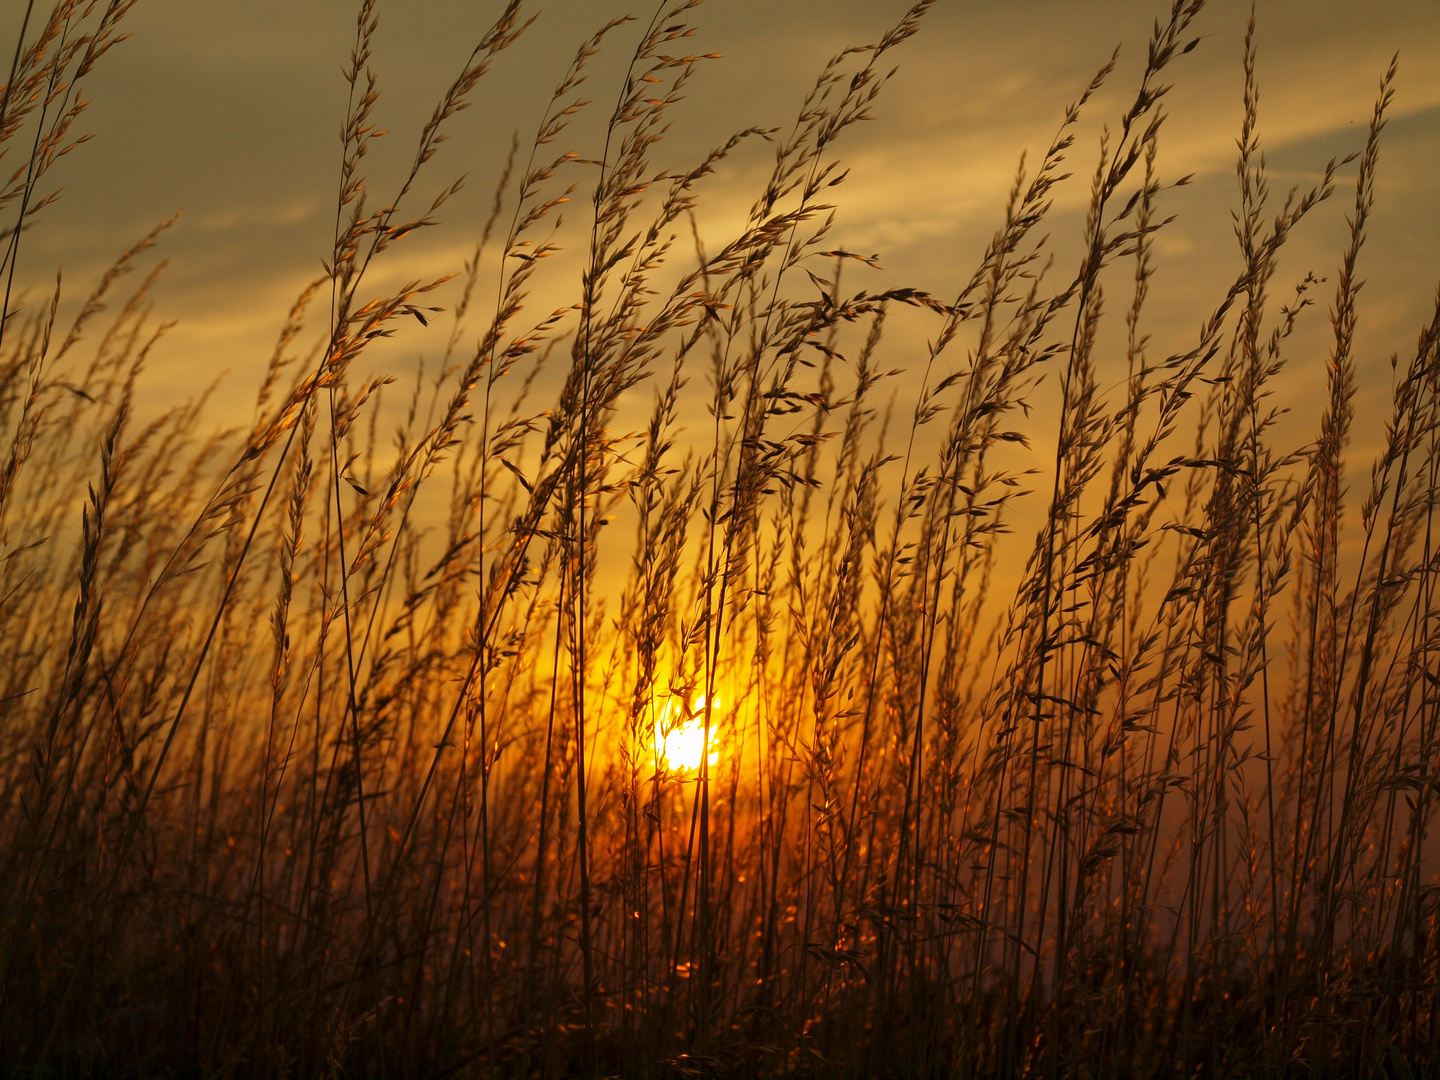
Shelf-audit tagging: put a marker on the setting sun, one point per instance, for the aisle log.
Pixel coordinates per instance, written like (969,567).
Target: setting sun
(681,743)
(970,456)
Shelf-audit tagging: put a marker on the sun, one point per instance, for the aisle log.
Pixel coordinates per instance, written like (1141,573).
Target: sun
(680,742)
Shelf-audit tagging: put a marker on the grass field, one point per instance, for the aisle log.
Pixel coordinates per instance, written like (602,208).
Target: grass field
(681,678)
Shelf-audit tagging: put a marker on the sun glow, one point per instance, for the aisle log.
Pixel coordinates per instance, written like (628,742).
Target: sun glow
(680,742)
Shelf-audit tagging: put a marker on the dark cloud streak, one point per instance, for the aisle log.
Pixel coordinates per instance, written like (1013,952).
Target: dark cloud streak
(228,111)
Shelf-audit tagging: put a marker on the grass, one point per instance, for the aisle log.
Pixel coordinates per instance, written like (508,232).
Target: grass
(526,744)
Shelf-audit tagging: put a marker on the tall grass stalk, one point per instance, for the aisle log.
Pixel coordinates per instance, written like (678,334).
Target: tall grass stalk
(668,699)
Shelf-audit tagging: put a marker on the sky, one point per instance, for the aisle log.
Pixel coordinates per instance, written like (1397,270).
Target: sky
(228,112)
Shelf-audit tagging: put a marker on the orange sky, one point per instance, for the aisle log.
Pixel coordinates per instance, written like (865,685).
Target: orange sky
(228,111)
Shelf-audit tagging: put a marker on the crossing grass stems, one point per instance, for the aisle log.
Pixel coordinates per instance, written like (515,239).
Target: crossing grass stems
(303,775)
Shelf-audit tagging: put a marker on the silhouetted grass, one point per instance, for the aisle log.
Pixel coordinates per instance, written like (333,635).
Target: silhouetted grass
(303,775)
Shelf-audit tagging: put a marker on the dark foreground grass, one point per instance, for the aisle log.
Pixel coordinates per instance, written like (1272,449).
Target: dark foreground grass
(543,740)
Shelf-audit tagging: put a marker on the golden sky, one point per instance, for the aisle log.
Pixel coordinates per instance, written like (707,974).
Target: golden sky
(228,111)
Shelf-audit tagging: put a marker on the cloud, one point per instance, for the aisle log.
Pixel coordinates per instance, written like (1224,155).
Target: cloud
(229,111)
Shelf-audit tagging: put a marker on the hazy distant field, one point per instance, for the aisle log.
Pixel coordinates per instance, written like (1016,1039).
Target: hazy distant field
(831,598)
